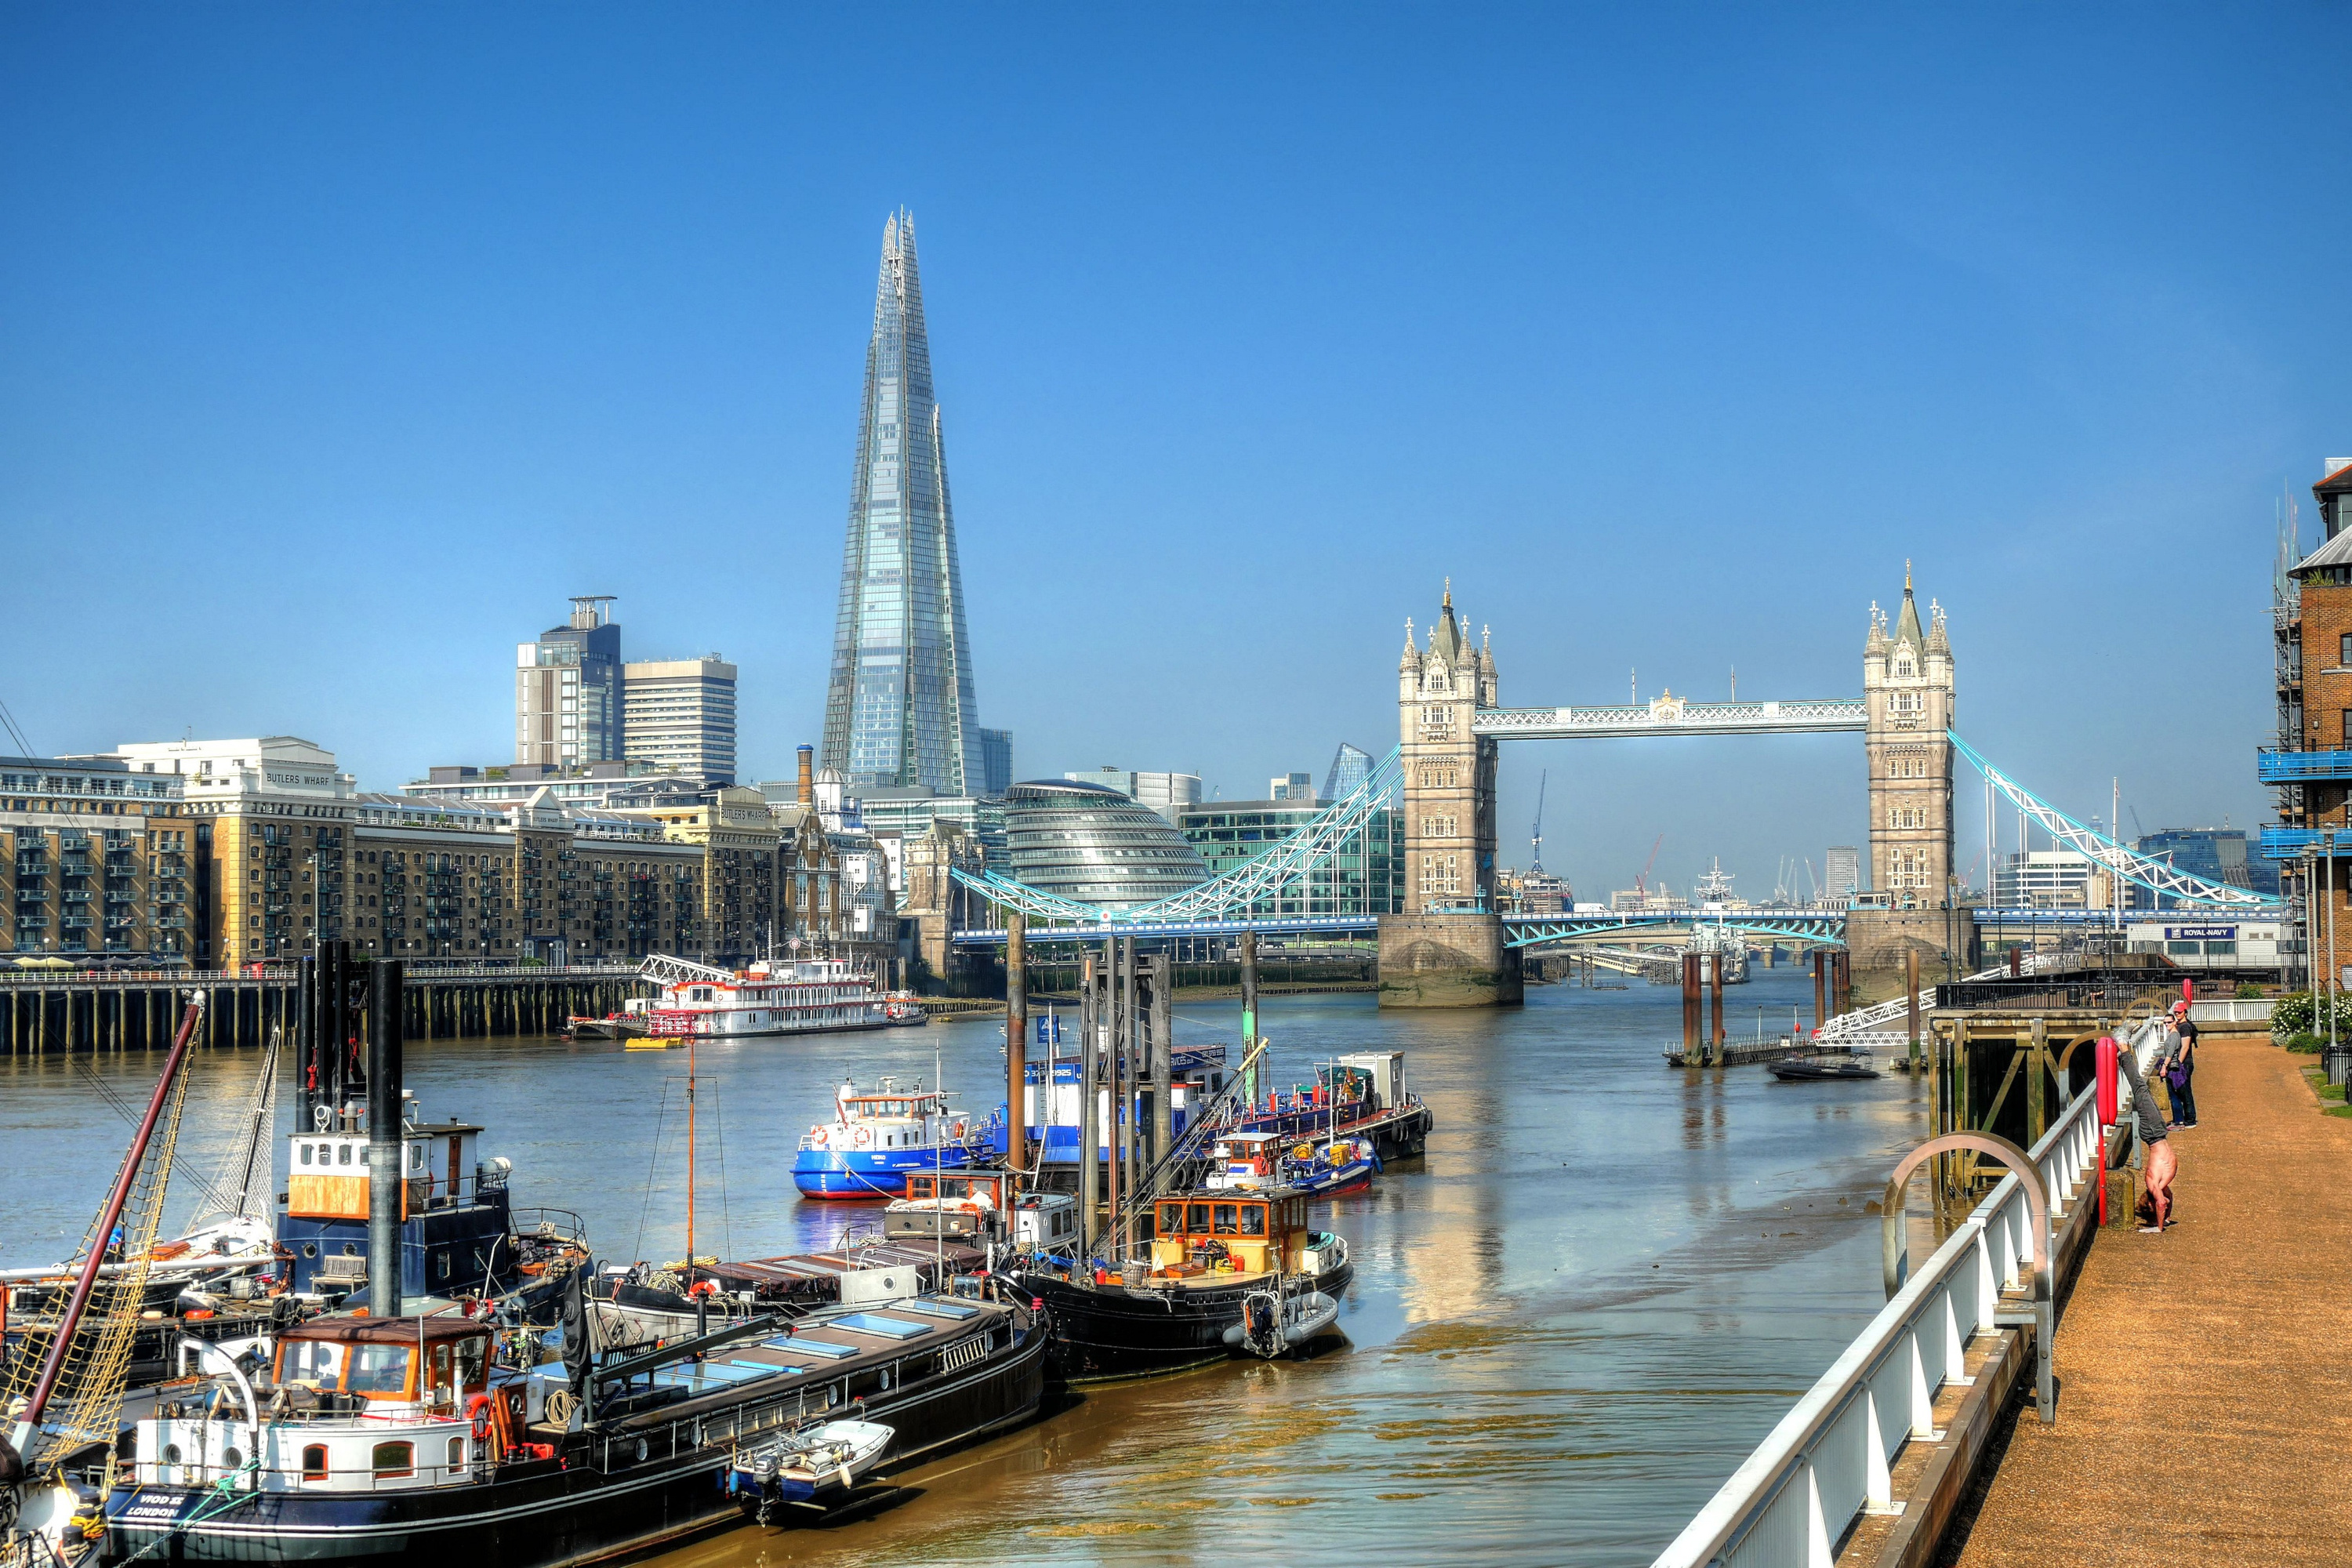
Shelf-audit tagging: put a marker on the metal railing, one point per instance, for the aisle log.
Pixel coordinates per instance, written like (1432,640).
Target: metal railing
(1830,1458)
(1893,1016)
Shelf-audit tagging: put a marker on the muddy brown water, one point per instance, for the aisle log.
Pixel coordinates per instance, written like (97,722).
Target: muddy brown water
(1600,1288)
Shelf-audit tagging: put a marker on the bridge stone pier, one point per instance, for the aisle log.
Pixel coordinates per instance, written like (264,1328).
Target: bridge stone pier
(1448,949)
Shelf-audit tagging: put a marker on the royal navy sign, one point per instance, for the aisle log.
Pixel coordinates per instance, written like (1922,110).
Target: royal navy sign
(2200,933)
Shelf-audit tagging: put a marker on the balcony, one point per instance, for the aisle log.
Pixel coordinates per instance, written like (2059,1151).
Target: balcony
(2302,767)
(2295,843)
(75,922)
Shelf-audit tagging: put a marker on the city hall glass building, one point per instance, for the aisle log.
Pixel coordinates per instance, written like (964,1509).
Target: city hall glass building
(1085,842)
(898,709)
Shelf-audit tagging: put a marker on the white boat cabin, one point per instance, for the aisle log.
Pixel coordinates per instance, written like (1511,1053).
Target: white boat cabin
(356,1404)
(888,1119)
(327,1173)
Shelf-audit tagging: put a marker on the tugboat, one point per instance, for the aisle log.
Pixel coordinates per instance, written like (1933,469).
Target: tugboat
(878,1137)
(1212,1253)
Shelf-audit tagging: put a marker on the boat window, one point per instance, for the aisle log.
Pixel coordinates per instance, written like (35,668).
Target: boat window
(443,1392)
(1171,1219)
(1196,1219)
(457,1453)
(306,1153)
(318,1362)
(395,1459)
(343,1154)
(314,1462)
(1253,1219)
(379,1369)
(470,1357)
(1226,1225)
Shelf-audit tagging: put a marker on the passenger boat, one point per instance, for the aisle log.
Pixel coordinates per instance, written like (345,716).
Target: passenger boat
(878,1137)
(1212,1252)
(421,1440)
(792,996)
(797,1469)
(903,1009)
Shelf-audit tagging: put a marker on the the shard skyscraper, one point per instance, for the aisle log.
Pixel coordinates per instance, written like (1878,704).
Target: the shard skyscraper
(899,709)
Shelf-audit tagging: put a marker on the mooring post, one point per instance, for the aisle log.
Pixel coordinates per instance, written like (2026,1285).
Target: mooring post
(1911,991)
(1089,1152)
(1690,1005)
(1249,1016)
(1016,1045)
(1821,1004)
(1715,1004)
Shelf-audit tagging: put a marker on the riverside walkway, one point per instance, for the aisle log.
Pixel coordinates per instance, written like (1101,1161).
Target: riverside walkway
(2205,1409)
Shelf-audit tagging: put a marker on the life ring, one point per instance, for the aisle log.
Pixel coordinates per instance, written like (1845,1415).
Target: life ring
(865,1135)
(959,1129)
(477,1416)
(819,1137)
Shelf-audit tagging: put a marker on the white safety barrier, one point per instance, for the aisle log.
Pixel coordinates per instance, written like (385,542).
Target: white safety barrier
(1891,1020)
(1831,1457)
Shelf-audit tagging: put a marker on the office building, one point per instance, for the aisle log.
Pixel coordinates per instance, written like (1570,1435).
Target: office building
(899,709)
(1350,767)
(568,689)
(1365,874)
(1170,794)
(1095,844)
(592,786)
(1842,872)
(678,714)
(995,762)
(2216,854)
(1291,787)
(95,858)
(910,813)
(2050,879)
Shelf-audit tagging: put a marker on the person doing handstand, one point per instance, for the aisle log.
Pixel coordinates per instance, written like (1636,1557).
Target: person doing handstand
(2161,1160)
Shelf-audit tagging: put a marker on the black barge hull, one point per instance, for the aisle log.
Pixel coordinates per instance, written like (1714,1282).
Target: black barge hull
(647,1485)
(1110,1331)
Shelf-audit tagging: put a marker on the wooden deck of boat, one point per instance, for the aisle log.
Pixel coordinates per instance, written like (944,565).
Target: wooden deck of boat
(933,1262)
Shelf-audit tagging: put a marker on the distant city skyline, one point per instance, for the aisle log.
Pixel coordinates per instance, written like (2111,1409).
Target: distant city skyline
(1759,309)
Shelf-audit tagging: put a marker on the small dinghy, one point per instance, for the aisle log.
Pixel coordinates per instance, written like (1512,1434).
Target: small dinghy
(1275,1325)
(801,1465)
(1808,1069)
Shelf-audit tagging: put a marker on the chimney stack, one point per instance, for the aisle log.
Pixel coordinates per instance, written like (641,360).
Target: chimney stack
(808,776)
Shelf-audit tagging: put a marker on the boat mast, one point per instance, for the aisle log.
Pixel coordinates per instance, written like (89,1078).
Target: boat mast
(689,1160)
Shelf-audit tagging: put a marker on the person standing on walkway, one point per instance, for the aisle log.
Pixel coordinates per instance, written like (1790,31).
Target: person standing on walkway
(2148,1120)
(2180,1065)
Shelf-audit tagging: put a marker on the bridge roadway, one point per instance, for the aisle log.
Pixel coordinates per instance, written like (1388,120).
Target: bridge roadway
(2205,1408)
(1530,931)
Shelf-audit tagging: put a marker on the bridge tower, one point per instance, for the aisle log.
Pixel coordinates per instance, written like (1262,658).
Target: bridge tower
(1449,770)
(1907,681)
(1447,949)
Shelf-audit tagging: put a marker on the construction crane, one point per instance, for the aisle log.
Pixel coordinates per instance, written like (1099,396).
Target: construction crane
(1642,878)
(1541,784)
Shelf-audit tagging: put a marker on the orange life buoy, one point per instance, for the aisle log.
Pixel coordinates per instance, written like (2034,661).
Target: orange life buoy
(819,1137)
(959,1129)
(477,1416)
(865,1136)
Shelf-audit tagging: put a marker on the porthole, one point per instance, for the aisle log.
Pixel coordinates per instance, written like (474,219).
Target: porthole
(309,1249)
(171,1453)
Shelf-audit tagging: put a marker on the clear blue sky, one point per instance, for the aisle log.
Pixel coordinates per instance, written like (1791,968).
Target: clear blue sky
(338,344)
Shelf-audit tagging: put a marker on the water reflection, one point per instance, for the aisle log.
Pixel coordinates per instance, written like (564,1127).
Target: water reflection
(1601,1287)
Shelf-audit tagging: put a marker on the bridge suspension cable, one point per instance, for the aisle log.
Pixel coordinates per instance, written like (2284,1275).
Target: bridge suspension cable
(1295,859)
(2158,875)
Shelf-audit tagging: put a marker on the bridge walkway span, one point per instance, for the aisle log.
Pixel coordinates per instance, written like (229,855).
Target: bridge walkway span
(2205,1414)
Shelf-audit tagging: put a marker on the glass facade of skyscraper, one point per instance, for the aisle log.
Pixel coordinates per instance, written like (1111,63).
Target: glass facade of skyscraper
(1365,876)
(899,708)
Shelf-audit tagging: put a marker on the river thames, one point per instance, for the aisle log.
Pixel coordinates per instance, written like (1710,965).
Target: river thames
(1570,1321)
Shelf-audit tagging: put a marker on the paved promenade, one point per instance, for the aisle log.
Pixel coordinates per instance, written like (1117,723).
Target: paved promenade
(2205,1410)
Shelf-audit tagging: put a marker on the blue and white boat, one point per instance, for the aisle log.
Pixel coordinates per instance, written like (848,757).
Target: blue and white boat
(877,1137)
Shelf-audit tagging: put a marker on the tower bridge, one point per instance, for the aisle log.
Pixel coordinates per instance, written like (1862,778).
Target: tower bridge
(1450,947)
